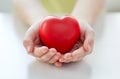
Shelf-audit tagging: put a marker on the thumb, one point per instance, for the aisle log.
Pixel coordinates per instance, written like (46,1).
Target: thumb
(31,37)
(29,46)
(89,41)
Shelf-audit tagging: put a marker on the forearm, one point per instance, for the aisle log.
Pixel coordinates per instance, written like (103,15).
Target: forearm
(87,10)
(29,10)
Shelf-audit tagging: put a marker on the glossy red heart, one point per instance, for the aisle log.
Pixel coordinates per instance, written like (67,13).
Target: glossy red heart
(59,33)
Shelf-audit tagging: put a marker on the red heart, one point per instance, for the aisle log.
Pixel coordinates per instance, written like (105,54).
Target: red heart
(59,33)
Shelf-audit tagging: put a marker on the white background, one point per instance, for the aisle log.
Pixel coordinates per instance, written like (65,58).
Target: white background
(103,63)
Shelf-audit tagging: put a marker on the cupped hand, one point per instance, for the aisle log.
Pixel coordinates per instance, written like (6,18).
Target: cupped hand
(34,47)
(83,46)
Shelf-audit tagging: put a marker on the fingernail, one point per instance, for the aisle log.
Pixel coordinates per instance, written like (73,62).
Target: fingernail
(44,50)
(88,48)
(58,64)
(29,49)
(61,60)
(53,50)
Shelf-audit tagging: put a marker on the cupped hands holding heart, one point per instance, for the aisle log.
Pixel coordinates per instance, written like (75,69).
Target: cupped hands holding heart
(59,40)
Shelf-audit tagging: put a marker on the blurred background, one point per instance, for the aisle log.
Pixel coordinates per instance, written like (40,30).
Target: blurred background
(111,6)
(6,6)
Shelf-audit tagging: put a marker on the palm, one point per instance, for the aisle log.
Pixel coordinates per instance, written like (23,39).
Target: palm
(78,44)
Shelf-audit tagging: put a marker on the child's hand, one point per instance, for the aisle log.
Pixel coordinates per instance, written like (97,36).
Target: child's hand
(83,47)
(34,47)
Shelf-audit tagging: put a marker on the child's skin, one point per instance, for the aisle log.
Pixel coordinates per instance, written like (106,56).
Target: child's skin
(42,53)
(88,10)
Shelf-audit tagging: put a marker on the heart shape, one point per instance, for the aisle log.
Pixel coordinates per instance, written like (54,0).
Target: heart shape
(59,33)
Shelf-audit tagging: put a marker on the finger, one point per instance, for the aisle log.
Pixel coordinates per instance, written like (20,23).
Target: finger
(55,58)
(48,55)
(89,40)
(40,51)
(28,44)
(61,59)
(78,54)
(58,64)
(66,58)
(28,40)
(78,59)
(67,61)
